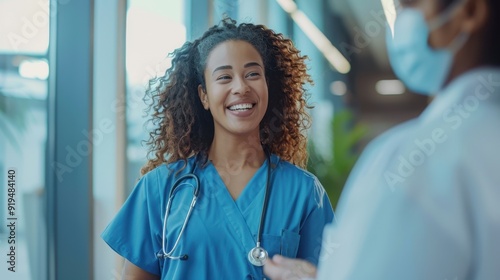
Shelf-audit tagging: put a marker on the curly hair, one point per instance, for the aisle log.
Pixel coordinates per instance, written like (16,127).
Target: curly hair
(182,127)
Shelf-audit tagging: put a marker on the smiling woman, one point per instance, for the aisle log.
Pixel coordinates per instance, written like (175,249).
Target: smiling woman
(225,183)
(236,90)
(285,76)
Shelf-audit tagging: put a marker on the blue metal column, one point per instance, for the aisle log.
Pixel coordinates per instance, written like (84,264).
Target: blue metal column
(314,10)
(69,143)
(110,137)
(225,8)
(196,18)
(318,66)
(278,19)
(336,31)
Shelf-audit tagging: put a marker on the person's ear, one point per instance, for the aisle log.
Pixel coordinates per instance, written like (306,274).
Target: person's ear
(203,97)
(476,16)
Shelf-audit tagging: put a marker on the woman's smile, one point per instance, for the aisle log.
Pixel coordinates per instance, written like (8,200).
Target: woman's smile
(236,90)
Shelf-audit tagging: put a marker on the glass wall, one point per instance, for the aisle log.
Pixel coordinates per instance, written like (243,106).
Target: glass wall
(155,28)
(131,42)
(24,70)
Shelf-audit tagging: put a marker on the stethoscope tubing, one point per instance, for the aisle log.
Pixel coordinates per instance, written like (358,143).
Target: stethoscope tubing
(191,206)
(266,200)
(191,175)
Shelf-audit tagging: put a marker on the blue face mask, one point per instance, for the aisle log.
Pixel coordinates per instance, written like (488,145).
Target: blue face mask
(422,69)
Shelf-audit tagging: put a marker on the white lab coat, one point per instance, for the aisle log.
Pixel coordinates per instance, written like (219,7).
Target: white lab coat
(423,201)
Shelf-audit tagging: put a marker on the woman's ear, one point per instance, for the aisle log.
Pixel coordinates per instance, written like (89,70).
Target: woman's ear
(203,97)
(475,16)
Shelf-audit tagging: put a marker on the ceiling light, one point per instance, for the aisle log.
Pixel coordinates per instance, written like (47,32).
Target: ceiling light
(338,88)
(390,87)
(330,52)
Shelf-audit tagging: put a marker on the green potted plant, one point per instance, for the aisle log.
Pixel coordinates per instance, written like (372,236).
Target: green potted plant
(333,169)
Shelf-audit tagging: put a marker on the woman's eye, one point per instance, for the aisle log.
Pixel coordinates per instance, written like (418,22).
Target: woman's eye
(224,77)
(253,74)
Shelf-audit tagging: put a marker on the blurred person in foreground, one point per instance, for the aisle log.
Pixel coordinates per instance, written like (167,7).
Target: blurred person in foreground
(422,201)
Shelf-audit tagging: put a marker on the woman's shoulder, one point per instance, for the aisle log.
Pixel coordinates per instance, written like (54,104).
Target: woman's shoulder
(288,169)
(156,182)
(167,170)
(297,179)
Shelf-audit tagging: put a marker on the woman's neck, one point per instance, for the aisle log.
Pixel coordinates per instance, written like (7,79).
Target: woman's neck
(236,152)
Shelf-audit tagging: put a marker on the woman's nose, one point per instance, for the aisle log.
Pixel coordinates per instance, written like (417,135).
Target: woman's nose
(240,86)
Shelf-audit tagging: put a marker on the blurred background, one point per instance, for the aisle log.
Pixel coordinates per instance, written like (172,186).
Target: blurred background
(72,78)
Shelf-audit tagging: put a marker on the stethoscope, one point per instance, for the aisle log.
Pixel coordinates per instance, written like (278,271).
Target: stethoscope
(256,256)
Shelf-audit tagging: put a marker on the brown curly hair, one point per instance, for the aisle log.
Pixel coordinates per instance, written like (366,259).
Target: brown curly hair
(182,127)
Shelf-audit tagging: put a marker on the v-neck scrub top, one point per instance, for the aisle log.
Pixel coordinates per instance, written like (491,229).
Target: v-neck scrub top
(221,231)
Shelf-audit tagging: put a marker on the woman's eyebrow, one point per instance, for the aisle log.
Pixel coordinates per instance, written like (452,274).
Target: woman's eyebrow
(224,67)
(250,64)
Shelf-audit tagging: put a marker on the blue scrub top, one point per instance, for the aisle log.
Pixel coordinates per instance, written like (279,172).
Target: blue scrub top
(221,231)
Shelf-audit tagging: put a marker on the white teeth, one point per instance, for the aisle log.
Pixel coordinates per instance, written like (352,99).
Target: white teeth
(241,107)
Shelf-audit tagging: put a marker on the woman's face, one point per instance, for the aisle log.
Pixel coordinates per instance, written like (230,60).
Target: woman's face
(236,89)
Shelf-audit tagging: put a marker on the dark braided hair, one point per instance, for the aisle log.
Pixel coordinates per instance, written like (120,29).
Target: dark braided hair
(182,127)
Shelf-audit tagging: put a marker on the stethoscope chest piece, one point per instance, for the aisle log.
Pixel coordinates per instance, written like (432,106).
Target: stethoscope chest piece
(257,256)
